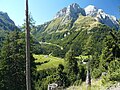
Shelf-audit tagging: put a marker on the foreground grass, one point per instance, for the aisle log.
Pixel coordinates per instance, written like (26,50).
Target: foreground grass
(96,85)
(47,61)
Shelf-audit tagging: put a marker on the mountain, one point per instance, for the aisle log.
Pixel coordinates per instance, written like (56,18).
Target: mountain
(6,23)
(70,13)
(73,11)
(71,28)
(68,16)
(102,17)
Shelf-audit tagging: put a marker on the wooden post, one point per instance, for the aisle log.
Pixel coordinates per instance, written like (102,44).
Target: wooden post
(28,74)
(88,76)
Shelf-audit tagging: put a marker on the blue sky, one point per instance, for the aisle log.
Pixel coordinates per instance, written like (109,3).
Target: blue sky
(44,10)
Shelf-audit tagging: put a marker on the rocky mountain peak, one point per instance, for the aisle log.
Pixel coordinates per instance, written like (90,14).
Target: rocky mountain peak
(72,11)
(73,8)
(102,17)
(91,10)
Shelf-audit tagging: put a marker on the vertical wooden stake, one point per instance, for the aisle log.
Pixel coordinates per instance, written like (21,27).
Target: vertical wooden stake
(28,74)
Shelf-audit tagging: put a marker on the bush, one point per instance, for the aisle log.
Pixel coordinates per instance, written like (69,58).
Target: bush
(111,77)
(105,79)
(115,76)
(78,82)
(96,73)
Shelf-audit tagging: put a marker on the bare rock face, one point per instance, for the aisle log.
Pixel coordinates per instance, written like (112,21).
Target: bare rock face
(91,10)
(61,13)
(70,13)
(102,17)
(73,11)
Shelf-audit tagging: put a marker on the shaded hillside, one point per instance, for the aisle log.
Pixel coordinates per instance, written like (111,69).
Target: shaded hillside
(6,23)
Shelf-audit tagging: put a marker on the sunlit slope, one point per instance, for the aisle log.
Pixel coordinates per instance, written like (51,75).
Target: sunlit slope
(47,61)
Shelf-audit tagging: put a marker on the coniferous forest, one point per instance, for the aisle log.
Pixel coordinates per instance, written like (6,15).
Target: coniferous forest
(76,52)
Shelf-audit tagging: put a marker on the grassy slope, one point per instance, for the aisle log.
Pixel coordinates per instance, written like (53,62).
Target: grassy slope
(53,26)
(96,85)
(52,61)
(85,22)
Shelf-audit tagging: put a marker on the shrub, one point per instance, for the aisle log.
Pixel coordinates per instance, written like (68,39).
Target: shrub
(78,82)
(96,73)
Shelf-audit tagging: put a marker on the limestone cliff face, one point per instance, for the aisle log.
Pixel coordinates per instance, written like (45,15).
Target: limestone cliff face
(102,17)
(70,13)
(73,11)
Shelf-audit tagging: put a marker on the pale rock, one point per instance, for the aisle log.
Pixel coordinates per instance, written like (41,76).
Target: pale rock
(102,17)
(70,13)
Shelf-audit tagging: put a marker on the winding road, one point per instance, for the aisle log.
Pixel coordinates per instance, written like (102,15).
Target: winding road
(51,44)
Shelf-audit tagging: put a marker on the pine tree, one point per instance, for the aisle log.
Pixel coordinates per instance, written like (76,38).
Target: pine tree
(71,66)
(12,63)
(12,70)
(110,52)
(88,51)
(61,76)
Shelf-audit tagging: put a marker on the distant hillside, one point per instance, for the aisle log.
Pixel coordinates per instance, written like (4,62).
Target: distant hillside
(6,23)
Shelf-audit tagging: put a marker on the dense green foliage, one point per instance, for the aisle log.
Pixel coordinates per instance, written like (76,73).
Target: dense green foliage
(110,58)
(12,57)
(68,74)
(74,43)
(71,66)
(12,62)
(2,36)
(86,37)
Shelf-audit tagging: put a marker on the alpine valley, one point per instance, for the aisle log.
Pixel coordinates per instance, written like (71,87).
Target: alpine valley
(77,45)
(72,27)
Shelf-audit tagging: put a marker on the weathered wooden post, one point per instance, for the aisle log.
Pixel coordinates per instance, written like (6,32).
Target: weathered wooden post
(28,75)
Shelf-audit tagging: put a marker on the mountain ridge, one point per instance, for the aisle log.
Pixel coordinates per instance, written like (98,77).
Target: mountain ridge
(6,23)
(102,17)
(73,11)
(71,33)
